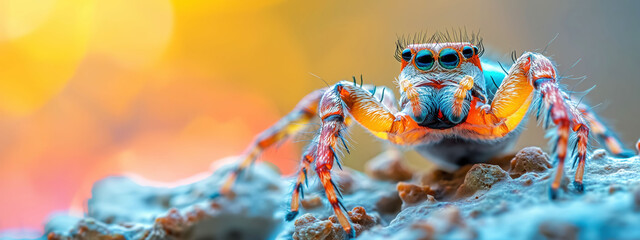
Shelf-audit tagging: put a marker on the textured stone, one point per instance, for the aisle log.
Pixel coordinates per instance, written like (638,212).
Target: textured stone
(411,193)
(481,177)
(529,159)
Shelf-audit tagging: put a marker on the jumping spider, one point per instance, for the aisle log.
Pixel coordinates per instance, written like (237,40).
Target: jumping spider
(451,111)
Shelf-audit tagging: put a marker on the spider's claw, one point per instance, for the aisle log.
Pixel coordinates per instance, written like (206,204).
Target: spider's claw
(290,216)
(215,195)
(218,194)
(553,193)
(351,234)
(625,154)
(579,186)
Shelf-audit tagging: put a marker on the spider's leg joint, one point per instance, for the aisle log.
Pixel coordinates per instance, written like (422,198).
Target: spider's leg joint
(333,117)
(291,215)
(539,81)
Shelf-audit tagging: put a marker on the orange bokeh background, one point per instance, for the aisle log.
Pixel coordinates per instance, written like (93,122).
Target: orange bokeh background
(160,88)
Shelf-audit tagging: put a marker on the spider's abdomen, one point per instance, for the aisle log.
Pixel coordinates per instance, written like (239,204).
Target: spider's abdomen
(493,76)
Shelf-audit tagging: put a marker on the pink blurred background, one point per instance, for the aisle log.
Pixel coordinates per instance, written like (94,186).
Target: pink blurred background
(158,88)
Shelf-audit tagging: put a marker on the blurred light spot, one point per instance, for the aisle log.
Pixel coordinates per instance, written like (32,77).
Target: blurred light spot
(36,66)
(134,33)
(217,6)
(21,17)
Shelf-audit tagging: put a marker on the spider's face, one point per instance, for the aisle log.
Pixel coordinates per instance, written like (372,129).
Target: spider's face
(435,70)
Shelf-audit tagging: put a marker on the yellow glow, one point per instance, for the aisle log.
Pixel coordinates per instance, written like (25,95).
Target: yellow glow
(21,17)
(37,65)
(132,33)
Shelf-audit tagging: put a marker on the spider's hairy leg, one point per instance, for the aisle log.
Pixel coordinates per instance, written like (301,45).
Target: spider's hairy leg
(564,114)
(531,76)
(309,155)
(307,159)
(291,124)
(345,99)
(606,136)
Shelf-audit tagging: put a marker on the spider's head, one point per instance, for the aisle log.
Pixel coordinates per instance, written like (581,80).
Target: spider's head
(434,71)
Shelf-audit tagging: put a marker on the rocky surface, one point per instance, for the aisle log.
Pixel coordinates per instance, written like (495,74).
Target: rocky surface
(506,198)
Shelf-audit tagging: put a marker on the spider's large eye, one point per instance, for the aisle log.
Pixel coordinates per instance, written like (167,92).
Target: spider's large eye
(467,52)
(424,60)
(406,54)
(448,58)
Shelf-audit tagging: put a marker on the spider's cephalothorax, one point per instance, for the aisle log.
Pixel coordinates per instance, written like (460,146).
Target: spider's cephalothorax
(453,108)
(436,72)
(439,83)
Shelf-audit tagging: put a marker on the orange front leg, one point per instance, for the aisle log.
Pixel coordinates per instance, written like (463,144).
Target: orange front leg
(531,77)
(346,99)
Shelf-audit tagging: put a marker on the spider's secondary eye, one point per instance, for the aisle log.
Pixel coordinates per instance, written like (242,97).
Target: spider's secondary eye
(467,52)
(424,60)
(449,58)
(406,54)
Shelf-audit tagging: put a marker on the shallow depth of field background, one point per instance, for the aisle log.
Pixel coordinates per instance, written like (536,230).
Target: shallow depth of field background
(163,88)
